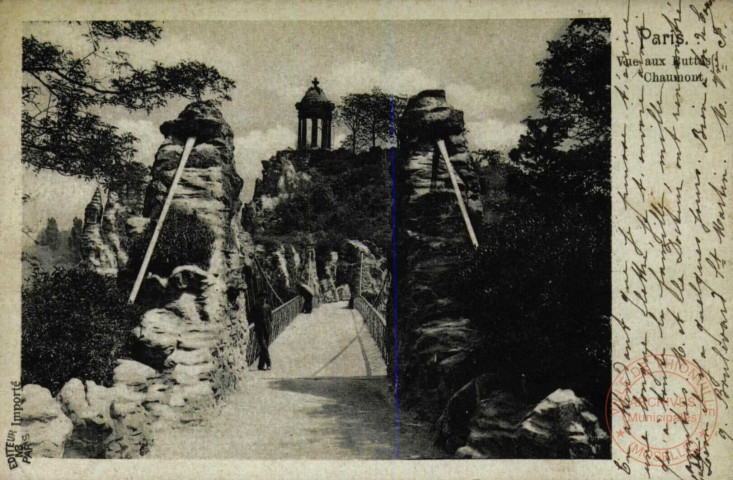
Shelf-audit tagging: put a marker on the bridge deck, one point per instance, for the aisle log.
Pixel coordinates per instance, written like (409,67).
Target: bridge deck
(326,397)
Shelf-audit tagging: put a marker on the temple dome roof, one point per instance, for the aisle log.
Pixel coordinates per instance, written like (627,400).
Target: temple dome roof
(315,99)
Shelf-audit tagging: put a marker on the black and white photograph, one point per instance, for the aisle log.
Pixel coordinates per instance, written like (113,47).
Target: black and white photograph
(214,225)
(386,239)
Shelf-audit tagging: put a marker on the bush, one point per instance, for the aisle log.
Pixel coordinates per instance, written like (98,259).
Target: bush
(184,240)
(347,197)
(539,287)
(75,324)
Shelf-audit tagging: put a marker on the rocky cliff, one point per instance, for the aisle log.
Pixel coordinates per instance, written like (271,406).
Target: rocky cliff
(334,201)
(442,352)
(191,342)
(437,342)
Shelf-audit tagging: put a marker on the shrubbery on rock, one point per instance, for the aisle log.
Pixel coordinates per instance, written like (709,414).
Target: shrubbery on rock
(184,240)
(76,324)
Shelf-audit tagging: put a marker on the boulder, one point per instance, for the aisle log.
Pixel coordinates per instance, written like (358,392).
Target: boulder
(428,115)
(561,426)
(132,373)
(131,436)
(466,452)
(482,421)
(158,333)
(88,406)
(190,278)
(44,422)
(202,120)
(86,402)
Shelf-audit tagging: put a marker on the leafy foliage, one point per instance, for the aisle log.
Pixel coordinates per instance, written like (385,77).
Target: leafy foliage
(347,196)
(76,323)
(539,285)
(50,236)
(75,238)
(368,116)
(569,143)
(62,92)
(184,240)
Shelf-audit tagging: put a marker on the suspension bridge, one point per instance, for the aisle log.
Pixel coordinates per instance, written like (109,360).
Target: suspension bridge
(328,395)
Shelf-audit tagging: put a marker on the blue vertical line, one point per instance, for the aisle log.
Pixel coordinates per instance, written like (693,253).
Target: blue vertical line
(394,280)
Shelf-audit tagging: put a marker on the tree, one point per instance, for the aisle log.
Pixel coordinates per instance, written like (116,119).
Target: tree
(75,238)
(63,92)
(50,235)
(551,247)
(370,118)
(571,138)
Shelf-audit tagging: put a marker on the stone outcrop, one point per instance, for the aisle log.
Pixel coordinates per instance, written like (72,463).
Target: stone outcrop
(289,261)
(483,421)
(96,253)
(192,340)
(88,407)
(431,236)
(328,286)
(44,422)
(356,258)
(104,243)
(113,228)
(131,435)
(282,175)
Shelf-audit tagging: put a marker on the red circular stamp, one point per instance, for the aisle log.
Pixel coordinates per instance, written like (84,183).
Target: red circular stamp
(661,410)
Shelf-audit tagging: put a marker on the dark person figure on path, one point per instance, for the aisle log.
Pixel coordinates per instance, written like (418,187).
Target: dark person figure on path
(305,291)
(262,318)
(307,303)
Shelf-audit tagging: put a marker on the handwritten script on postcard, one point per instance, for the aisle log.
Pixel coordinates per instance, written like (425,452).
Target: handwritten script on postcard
(672,269)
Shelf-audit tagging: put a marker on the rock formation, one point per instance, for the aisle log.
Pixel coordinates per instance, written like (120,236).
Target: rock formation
(44,422)
(88,406)
(355,259)
(96,253)
(483,421)
(437,341)
(440,347)
(193,339)
(288,261)
(104,244)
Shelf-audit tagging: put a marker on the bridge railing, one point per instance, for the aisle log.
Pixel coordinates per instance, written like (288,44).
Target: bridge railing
(375,322)
(281,318)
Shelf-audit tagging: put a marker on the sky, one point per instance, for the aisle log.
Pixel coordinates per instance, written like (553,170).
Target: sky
(486,67)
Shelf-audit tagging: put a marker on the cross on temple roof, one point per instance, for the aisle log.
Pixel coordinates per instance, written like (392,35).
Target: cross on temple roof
(315,82)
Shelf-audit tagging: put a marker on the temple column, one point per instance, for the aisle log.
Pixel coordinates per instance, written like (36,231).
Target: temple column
(330,135)
(303,132)
(326,134)
(314,133)
(300,133)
